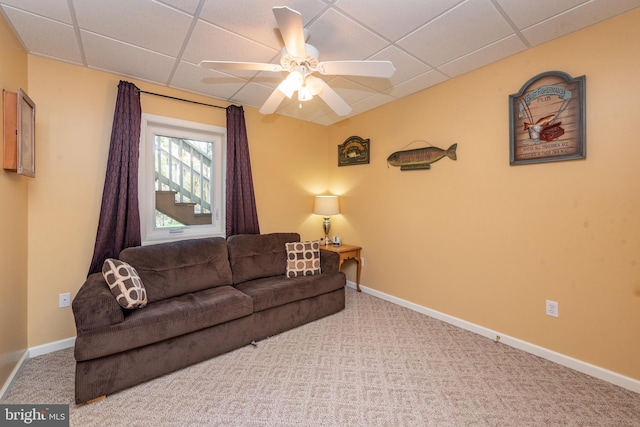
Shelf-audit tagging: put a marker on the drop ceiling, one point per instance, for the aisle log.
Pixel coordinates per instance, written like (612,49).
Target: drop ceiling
(162,41)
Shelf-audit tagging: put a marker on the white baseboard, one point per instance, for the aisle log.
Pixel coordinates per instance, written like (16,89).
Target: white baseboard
(51,347)
(560,359)
(13,374)
(34,352)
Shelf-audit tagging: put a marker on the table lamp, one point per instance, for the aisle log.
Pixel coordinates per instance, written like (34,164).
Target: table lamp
(326,206)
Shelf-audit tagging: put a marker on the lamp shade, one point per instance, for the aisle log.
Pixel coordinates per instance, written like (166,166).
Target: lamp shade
(326,205)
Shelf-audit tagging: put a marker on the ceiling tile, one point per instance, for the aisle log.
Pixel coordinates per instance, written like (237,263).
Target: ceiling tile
(209,42)
(486,55)
(374,101)
(577,18)
(207,82)
(146,24)
(526,13)
(375,84)
(111,55)
(349,90)
(253,95)
(188,6)
(406,66)
(457,33)
(56,10)
(391,19)
(339,38)
(44,36)
(416,84)
(257,23)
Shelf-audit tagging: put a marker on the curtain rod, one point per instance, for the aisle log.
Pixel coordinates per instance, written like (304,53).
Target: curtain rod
(180,99)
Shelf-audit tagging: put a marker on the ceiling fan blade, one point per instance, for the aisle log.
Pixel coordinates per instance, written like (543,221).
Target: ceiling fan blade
(232,65)
(272,103)
(383,69)
(329,96)
(291,28)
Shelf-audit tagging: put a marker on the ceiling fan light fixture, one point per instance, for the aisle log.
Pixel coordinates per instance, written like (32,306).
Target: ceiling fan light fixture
(293,82)
(314,84)
(287,88)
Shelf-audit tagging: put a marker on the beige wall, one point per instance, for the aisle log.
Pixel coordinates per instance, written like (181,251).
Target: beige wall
(75,113)
(13,220)
(487,242)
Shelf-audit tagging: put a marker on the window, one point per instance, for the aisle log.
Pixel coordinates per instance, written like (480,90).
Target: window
(181,179)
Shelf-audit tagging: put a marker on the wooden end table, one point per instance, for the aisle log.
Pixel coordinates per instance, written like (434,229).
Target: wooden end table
(347,252)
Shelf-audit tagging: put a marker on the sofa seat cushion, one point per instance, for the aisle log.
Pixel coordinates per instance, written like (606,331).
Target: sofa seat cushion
(176,268)
(165,319)
(254,256)
(279,290)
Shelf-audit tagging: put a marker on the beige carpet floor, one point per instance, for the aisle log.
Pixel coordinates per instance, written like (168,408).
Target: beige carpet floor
(373,364)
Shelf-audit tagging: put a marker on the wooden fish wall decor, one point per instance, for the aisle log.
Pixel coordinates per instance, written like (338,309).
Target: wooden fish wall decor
(420,158)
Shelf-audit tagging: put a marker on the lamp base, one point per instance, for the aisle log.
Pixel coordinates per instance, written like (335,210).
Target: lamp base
(326,225)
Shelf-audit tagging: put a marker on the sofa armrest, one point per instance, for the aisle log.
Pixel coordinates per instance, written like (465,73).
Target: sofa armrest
(329,261)
(95,306)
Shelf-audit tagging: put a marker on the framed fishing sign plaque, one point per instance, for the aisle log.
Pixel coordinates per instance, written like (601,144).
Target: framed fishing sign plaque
(547,119)
(353,151)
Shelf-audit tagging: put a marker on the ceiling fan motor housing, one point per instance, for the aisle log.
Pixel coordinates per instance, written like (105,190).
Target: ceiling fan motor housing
(290,62)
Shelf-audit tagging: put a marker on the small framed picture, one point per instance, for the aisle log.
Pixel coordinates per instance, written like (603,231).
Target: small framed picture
(547,119)
(353,151)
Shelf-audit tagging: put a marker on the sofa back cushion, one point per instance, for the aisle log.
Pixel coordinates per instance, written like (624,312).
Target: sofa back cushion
(176,268)
(253,256)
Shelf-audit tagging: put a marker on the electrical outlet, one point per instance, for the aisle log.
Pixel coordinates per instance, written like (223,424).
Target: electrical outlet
(552,308)
(361,261)
(64,300)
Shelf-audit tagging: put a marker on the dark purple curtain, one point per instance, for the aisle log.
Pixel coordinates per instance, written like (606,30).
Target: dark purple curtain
(119,224)
(242,215)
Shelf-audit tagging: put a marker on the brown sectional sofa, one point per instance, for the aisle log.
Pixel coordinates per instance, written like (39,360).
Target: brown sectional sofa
(205,297)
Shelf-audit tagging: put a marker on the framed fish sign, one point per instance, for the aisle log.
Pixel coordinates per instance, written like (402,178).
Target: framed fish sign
(353,151)
(547,119)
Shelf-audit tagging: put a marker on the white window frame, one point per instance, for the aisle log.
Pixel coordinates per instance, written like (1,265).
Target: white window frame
(152,125)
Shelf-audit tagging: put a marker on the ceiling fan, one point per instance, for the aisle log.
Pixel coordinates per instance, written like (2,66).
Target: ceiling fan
(301,61)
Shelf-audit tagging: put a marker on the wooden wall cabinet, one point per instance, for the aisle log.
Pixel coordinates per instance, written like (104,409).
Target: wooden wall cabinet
(19,128)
